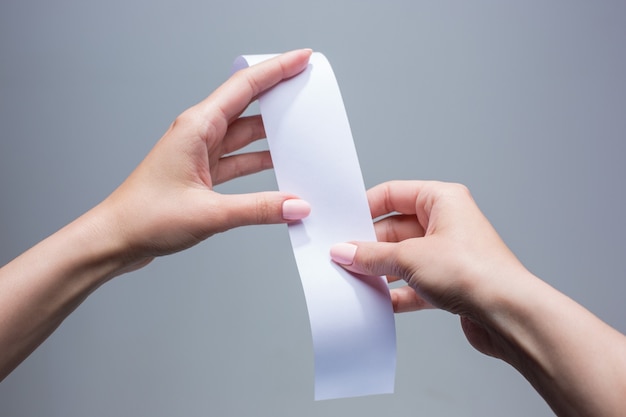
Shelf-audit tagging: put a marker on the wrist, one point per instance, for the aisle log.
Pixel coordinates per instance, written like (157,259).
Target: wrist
(573,359)
(106,248)
(39,288)
(498,311)
(512,310)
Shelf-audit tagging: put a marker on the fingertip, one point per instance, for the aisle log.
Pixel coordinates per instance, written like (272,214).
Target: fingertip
(294,62)
(307,52)
(343,253)
(295,209)
(394,301)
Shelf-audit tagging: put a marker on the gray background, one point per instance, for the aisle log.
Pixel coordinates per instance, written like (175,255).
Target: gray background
(522,101)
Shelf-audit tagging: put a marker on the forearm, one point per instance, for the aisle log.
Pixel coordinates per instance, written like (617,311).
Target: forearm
(573,359)
(41,287)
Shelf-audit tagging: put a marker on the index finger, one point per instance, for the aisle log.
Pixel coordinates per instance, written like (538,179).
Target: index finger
(424,199)
(232,97)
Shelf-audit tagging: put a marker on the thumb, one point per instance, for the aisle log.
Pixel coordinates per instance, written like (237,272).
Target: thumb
(367,258)
(261,208)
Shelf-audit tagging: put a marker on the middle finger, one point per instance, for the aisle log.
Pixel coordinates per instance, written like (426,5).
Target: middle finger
(397,228)
(242,132)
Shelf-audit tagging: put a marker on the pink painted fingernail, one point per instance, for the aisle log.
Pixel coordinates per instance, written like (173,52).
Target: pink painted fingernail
(343,253)
(295,209)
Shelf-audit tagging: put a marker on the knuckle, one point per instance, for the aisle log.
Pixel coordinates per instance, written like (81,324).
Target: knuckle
(251,81)
(365,263)
(453,190)
(183,119)
(263,211)
(401,263)
(191,121)
(391,232)
(461,188)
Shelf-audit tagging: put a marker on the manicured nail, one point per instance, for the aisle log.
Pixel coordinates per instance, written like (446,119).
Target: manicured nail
(343,253)
(294,209)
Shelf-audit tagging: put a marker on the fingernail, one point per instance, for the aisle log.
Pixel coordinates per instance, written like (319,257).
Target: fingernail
(295,209)
(343,253)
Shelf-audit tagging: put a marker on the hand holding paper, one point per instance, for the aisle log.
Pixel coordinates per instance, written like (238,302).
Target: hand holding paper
(166,205)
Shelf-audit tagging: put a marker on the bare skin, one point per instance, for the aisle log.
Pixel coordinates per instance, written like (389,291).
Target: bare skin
(166,205)
(451,258)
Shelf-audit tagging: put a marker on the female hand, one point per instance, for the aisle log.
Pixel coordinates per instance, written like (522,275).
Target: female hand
(437,240)
(168,203)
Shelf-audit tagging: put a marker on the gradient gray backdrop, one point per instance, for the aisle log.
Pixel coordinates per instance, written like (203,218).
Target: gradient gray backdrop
(525,102)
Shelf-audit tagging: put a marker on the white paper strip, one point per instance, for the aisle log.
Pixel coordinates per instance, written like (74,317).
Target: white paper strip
(352,322)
